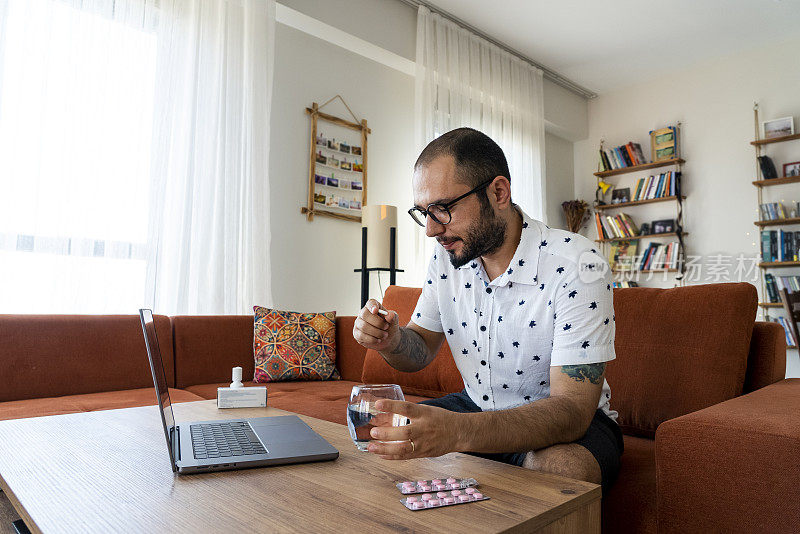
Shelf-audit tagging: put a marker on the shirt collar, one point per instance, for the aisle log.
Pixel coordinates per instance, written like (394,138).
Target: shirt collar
(524,266)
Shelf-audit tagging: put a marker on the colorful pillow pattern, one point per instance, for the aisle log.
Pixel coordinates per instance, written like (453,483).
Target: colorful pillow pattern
(294,346)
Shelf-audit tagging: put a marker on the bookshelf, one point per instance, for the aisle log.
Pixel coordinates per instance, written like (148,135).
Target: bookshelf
(609,242)
(771,308)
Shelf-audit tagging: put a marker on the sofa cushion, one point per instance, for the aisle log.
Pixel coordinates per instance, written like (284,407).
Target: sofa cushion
(678,350)
(439,378)
(630,506)
(55,355)
(323,400)
(294,346)
(108,400)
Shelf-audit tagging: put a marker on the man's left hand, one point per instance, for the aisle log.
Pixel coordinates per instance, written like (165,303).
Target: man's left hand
(434,432)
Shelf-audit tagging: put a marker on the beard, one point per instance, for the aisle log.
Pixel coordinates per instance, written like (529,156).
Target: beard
(484,236)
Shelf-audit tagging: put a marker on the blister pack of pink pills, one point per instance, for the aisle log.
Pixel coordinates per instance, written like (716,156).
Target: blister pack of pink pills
(437,484)
(443,498)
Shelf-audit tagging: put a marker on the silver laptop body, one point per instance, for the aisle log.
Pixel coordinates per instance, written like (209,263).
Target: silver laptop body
(203,446)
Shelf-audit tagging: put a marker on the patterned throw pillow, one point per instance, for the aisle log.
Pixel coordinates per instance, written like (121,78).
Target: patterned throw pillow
(294,346)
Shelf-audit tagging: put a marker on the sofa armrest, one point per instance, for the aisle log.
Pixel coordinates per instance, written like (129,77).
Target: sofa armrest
(766,361)
(349,354)
(732,467)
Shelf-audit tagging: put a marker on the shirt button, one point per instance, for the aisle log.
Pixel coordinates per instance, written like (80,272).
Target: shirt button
(483,329)
(483,362)
(488,289)
(486,397)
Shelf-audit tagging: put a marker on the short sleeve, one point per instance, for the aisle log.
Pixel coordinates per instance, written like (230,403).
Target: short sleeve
(426,313)
(584,314)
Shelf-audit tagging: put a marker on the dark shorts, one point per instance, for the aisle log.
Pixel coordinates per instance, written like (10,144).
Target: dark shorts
(603,438)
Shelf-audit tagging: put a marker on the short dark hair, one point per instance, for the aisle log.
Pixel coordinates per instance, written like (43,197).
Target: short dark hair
(477,157)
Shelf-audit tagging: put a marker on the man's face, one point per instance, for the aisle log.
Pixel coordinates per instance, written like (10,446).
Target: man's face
(474,229)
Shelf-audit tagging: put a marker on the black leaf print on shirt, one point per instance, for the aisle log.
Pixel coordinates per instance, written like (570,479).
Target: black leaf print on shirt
(521,263)
(593,305)
(541,287)
(474,343)
(516,343)
(608,287)
(532,324)
(519,372)
(565,285)
(474,265)
(430,281)
(450,330)
(554,316)
(510,271)
(434,256)
(505,386)
(464,325)
(543,244)
(543,383)
(464,351)
(444,277)
(476,376)
(573,293)
(567,239)
(560,270)
(567,326)
(479,381)
(549,302)
(536,358)
(521,302)
(500,355)
(606,321)
(527,397)
(511,284)
(419,314)
(500,319)
(467,285)
(585,344)
(524,225)
(593,250)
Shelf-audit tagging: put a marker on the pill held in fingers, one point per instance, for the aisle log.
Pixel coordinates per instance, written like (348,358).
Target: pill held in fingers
(383,312)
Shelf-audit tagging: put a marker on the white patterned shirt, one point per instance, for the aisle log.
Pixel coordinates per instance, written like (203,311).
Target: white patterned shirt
(506,333)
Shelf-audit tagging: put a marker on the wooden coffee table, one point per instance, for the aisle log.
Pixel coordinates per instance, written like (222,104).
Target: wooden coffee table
(108,471)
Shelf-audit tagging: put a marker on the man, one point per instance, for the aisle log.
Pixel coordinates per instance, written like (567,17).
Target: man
(527,312)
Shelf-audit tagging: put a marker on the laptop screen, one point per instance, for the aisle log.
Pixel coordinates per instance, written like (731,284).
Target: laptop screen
(159,377)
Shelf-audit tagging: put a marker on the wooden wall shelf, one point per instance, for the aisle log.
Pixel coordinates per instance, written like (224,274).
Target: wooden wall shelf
(636,203)
(777,181)
(633,271)
(778,222)
(770,264)
(634,168)
(775,140)
(770,304)
(637,237)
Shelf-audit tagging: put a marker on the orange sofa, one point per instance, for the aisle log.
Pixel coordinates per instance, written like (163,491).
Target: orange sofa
(712,430)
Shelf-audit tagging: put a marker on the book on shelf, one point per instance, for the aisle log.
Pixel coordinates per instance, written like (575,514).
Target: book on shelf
(622,255)
(627,155)
(779,245)
(665,184)
(775,284)
(773,211)
(620,225)
(659,256)
(790,340)
(624,283)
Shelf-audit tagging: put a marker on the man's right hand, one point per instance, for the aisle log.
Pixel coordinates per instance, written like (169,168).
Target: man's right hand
(374,330)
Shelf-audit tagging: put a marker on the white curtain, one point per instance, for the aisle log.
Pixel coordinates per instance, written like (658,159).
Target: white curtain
(209,224)
(463,80)
(77,80)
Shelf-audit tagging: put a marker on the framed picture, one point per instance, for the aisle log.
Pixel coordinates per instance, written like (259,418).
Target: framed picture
(320,158)
(344,147)
(319,198)
(333,182)
(332,144)
(358,167)
(332,162)
(355,150)
(791,169)
(778,127)
(321,180)
(621,195)
(355,205)
(345,165)
(665,226)
(664,143)
(356,186)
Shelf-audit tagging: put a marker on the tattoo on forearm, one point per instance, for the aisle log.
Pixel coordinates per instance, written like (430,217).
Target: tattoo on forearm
(411,345)
(592,371)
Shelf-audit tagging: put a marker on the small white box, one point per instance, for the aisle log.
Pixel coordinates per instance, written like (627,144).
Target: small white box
(252,397)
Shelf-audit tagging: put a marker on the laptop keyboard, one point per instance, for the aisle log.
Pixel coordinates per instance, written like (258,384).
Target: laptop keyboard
(221,440)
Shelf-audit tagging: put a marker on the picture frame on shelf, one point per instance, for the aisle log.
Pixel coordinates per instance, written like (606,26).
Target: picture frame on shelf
(664,144)
(768,171)
(664,226)
(619,196)
(791,169)
(777,128)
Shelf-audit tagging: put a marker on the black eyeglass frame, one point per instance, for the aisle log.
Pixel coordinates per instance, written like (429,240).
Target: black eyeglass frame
(446,206)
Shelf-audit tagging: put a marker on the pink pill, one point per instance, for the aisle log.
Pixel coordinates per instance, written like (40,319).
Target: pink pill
(422,482)
(456,493)
(453,486)
(417,505)
(440,486)
(433,502)
(409,483)
(424,488)
(450,480)
(436,481)
(470,490)
(412,499)
(441,494)
(478,495)
(426,496)
(449,500)
(463,498)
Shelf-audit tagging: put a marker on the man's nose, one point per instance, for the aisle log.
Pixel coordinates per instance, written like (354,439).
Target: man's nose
(433,228)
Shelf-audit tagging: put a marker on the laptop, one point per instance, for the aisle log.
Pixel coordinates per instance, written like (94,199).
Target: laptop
(203,446)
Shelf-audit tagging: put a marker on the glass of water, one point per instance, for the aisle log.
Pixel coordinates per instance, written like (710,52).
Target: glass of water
(362,415)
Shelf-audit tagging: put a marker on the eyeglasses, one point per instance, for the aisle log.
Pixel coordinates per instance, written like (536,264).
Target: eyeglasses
(440,213)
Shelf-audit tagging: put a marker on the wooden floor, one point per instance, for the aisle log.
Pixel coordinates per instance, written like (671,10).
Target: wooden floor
(7,515)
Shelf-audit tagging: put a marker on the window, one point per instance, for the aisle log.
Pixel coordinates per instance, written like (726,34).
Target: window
(76,118)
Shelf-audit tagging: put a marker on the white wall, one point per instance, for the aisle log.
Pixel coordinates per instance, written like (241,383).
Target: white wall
(313,262)
(714,102)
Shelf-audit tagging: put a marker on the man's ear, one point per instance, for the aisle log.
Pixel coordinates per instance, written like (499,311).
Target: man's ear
(500,190)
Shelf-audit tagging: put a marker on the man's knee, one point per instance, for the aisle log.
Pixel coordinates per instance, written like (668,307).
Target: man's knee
(570,460)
